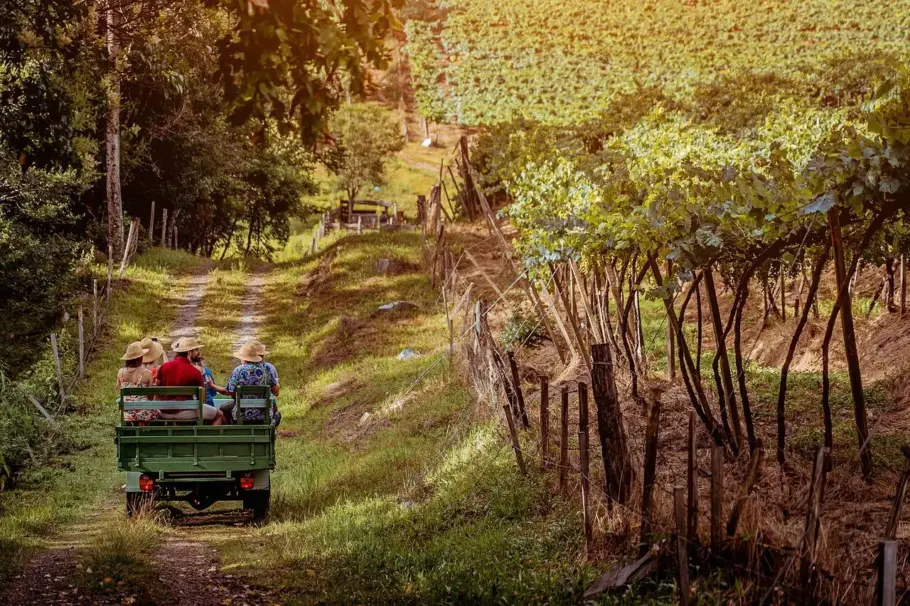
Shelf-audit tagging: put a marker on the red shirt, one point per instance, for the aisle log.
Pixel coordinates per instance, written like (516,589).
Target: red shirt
(179,372)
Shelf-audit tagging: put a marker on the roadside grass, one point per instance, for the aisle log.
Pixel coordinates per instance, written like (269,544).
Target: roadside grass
(47,499)
(391,489)
(119,558)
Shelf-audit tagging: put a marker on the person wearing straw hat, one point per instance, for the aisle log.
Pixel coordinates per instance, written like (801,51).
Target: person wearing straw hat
(181,372)
(134,375)
(155,356)
(252,371)
(260,349)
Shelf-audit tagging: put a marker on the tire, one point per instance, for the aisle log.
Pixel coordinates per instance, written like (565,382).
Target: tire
(257,501)
(137,502)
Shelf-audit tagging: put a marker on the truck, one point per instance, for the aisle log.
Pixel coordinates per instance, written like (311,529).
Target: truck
(188,461)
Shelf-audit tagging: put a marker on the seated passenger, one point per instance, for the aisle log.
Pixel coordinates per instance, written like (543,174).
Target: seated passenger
(260,349)
(155,356)
(134,375)
(180,372)
(252,371)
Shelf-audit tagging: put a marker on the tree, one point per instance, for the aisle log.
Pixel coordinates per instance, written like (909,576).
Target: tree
(365,136)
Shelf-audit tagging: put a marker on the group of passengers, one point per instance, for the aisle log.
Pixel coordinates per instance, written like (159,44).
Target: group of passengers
(146,365)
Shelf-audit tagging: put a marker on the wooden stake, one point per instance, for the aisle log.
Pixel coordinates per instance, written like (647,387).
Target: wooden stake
(903,288)
(516,446)
(813,512)
(679,503)
(610,427)
(692,479)
(41,409)
(647,498)
(563,436)
(164,227)
(359,225)
(81,344)
(887,577)
(519,394)
(134,232)
(95,307)
(544,421)
(152,223)
(717,496)
(110,272)
(584,464)
(59,367)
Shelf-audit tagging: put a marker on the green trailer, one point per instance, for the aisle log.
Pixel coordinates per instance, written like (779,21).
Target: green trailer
(191,462)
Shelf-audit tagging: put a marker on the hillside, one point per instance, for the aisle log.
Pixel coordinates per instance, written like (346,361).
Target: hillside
(484,62)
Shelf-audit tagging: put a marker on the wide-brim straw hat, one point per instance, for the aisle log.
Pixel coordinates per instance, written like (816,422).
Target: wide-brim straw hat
(134,350)
(155,350)
(247,353)
(185,344)
(258,347)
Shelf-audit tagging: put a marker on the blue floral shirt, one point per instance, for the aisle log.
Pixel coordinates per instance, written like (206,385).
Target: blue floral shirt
(252,373)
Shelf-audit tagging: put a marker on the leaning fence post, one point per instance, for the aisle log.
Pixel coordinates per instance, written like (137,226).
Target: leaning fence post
(164,228)
(563,436)
(544,421)
(692,480)
(584,463)
(679,507)
(513,435)
(717,496)
(81,344)
(152,224)
(59,367)
(813,513)
(887,574)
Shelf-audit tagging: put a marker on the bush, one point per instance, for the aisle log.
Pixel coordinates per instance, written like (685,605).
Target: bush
(520,330)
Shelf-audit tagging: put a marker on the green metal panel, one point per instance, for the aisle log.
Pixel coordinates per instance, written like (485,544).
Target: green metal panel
(195,448)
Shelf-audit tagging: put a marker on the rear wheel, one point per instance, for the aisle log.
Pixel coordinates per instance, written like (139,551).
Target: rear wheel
(137,502)
(257,501)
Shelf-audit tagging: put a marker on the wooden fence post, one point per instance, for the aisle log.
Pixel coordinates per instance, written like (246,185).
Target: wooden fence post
(95,307)
(813,513)
(887,574)
(134,233)
(544,421)
(584,463)
(679,507)
(717,496)
(610,427)
(692,480)
(110,271)
(164,228)
(647,496)
(81,344)
(152,224)
(359,225)
(59,368)
(513,435)
(519,393)
(903,288)
(563,436)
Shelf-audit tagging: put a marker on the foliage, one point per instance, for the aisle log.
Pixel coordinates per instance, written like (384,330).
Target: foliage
(287,59)
(39,253)
(365,136)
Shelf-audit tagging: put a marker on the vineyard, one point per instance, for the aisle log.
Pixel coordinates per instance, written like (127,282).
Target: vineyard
(486,62)
(711,198)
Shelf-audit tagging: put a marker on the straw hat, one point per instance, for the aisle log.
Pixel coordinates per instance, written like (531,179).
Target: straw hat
(185,344)
(247,353)
(155,349)
(133,351)
(258,347)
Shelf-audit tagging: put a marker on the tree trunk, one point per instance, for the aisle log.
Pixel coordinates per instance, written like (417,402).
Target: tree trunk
(782,391)
(850,352)
(890,268)
(741,378)
(699,328)
(112,139)
(728,398)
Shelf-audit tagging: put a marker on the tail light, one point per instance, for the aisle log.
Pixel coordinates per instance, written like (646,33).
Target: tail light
(247,482)
(146,484)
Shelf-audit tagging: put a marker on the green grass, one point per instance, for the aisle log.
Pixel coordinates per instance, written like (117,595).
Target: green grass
(84,476)
(420,503)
